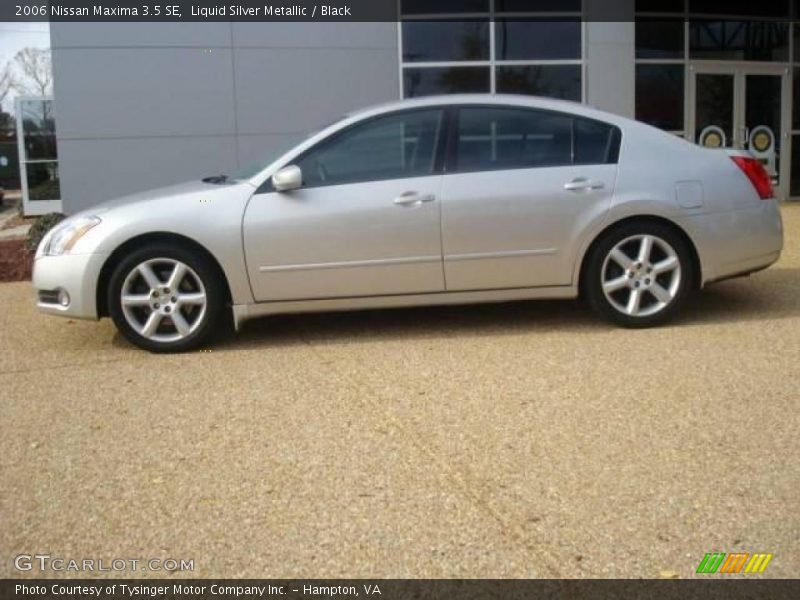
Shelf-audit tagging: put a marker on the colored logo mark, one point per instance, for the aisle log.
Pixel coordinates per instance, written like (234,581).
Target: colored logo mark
(736,562)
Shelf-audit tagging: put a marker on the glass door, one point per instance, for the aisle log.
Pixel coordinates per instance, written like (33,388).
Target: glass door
(743,107)
(38,156)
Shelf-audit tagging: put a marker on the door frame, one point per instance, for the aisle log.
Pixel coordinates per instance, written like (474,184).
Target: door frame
(739,71)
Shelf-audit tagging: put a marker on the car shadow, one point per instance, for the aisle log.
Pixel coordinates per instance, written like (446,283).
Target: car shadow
(769,295)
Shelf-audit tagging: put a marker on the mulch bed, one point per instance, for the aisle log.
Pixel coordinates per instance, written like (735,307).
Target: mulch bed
(16,261)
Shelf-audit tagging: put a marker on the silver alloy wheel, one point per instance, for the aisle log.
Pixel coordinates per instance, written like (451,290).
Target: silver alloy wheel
(163,300)
(641,275)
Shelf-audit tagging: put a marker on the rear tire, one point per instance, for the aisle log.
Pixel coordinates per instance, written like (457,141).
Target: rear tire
(638,274)
(165,298)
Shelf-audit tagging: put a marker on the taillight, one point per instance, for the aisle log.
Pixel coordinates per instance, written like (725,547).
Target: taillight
(757,175)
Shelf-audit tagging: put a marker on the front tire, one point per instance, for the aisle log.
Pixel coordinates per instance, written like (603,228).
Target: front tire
(639,274)
(165,298)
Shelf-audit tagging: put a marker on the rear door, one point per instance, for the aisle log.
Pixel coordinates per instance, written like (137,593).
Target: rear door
(521,186)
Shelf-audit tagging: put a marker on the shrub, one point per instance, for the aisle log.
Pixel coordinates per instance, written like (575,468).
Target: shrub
(42,225)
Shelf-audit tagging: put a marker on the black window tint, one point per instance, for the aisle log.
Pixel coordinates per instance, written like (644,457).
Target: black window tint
(391,147)
(659,38)
(553,81)
(500,138)
(445,40)
(659,95)
(427,7)
(542,39)
(429,81)
(739,40)
(595,143)
(537,5)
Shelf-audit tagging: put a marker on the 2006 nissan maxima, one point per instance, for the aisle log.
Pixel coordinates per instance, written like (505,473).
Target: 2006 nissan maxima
(441,200)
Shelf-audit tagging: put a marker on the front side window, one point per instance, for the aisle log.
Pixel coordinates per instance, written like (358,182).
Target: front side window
(391,147)
(491,138)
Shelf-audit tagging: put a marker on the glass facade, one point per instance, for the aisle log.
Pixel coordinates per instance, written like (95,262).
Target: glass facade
(504,46)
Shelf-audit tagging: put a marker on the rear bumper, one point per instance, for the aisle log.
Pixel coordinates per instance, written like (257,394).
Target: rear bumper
(736,242)
(73,275)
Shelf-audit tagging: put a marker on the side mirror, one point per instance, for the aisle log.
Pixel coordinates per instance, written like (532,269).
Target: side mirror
(287,179)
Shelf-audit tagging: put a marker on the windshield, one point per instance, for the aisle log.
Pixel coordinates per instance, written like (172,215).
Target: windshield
(255,168)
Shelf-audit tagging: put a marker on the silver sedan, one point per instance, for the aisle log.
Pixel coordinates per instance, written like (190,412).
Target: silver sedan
(442,200)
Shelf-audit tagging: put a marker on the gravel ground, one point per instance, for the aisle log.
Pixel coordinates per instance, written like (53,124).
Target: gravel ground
(525,440)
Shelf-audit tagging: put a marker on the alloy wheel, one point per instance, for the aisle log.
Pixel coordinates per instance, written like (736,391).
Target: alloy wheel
(163,300)
(641,275)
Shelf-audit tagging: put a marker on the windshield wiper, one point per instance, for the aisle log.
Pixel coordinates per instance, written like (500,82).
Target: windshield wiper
(216,179)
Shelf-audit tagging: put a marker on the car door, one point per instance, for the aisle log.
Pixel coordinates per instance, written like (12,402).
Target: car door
(366,220)
(521,186)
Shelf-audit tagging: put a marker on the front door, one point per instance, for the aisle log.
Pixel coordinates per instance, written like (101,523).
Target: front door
(366,221)
(742,107)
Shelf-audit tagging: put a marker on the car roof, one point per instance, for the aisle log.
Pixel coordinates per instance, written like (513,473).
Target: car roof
(490,99)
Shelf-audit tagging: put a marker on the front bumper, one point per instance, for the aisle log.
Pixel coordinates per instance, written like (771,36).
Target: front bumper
(75,275)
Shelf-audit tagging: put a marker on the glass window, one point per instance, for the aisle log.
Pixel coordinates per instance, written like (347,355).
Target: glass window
(739,40)
(714,104)
(542,39)
(596,143)
(794,183)
(796,101)
(659,96)
(390,147)
(445,80)
(554,81)
(537,5)
(659,38)
(797,40)
(661,6)
(443,7)
(743,8)
(445,40)
(501,138)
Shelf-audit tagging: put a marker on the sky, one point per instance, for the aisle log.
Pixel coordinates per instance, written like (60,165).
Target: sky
(16,36)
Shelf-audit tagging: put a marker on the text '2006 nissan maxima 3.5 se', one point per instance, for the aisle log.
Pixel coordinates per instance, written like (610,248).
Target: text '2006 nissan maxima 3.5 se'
(439,200)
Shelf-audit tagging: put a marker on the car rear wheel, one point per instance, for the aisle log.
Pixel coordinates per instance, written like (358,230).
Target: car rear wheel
(639,274)
(165,298)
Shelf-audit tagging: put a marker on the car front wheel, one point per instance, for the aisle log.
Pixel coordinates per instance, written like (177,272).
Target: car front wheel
(165,298)
(639,274)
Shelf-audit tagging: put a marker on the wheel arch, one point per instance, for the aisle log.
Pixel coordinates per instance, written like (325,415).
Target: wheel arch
(130,244)
(644,218)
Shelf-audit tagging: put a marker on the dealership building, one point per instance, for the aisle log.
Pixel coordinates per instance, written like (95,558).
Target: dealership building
(141,105)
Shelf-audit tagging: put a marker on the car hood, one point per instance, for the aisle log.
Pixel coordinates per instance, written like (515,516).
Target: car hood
(167,194)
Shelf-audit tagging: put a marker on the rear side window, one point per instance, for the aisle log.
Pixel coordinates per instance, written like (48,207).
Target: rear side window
(491,138)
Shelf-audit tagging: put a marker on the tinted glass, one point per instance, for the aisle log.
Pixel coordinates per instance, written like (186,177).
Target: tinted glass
(445,80)
(659,38)
(390,147)
(39,129)
(501,138)
(595,143)
(744,8)
(429,7)
(659,95)
(796,100)
(739,40)
(794,180)
(540,39)
(797,39)
(554,81)
(537,5)
(665,6)
(763,117)
(445,40)
(714,106)
(43,181)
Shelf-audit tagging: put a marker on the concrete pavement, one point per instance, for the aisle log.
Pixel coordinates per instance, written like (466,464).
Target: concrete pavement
(520,440)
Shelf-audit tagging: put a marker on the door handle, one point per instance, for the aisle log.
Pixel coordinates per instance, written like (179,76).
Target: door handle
(581,184)
(413,199)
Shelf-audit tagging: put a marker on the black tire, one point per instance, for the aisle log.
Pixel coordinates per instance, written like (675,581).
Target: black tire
(204,326)
(593,275)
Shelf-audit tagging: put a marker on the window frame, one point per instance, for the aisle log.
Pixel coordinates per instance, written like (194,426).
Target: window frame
(492,15)
(451,158)
(438,151)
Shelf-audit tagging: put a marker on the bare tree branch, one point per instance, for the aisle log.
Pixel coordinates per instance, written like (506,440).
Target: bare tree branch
(35,66)
(7,82)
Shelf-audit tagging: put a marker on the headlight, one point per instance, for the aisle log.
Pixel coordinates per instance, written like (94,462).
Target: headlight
(62,239)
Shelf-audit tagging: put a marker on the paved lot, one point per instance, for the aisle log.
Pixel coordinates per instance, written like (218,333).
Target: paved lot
(526,440)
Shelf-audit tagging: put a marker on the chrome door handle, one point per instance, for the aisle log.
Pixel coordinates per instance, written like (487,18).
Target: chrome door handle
(582,184)
(413,199)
